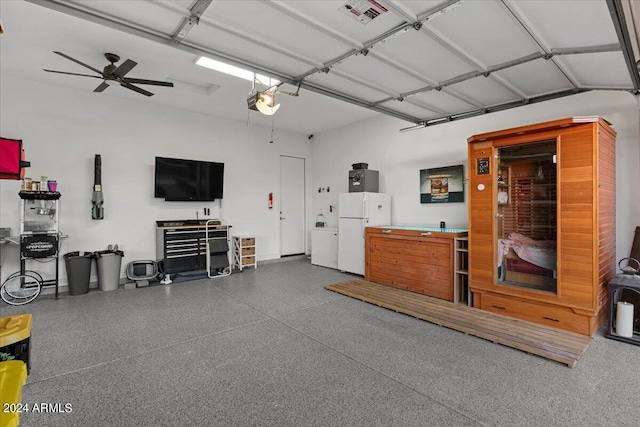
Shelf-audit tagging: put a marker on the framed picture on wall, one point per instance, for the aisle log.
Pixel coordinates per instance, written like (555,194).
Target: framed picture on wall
(442,185)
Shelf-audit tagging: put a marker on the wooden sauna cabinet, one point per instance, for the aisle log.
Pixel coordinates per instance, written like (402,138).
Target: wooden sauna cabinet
(418,259)
(580,212)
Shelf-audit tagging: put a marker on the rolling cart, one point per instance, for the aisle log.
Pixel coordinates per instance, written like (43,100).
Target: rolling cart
(39,239)
(217,244)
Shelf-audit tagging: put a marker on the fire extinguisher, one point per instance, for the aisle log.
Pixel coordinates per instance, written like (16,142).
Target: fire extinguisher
(270,200)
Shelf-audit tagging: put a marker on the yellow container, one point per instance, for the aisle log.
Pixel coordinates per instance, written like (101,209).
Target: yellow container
(15,338)
(15,328)
(13,375)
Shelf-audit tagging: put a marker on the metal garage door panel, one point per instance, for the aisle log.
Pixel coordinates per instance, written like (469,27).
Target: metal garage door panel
(485,91)
(221,41)
(290,38)
(444,102)
(406,107)
(418,8)
(312,110)
(599,69)
(348,86)
(276,28)
(568,23)
(371,70)
(424,55)
(329,14)
(143,14)
(182,3)
(536,77)
(494,39)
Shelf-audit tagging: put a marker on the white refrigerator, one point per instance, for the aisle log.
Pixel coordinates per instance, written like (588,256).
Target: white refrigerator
(357,211)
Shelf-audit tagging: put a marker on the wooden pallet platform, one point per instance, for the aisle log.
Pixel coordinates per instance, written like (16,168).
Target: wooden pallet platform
(551,343)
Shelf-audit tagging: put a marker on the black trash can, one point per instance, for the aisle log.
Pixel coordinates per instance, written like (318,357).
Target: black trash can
(78,266)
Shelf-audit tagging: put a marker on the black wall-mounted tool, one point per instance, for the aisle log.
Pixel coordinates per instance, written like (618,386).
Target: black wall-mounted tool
(97,210)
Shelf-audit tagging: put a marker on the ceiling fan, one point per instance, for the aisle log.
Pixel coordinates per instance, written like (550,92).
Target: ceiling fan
(113,74)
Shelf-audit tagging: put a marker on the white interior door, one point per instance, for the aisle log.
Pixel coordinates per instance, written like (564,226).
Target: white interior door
(292,224)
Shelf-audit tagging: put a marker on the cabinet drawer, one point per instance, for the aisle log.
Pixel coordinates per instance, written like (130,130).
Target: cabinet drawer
(248,260)
(184,234)
(186,263)
(185,249)
(556,316)
(183,245)
(249,251)
(247,241)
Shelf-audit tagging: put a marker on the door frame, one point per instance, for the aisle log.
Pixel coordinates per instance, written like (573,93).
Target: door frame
(306,195)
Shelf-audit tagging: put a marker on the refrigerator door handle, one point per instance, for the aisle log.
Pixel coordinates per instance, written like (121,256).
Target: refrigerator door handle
(364,207)
(364,225)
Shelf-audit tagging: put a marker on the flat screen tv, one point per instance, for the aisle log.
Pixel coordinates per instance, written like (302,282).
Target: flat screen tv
(188,180)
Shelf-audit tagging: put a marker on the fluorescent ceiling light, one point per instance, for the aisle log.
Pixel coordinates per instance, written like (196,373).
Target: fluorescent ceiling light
(232,70)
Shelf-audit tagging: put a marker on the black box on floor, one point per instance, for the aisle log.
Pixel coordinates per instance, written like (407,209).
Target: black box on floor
(21,350)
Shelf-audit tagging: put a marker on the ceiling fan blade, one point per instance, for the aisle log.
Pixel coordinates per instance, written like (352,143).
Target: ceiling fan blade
(125,67)
(72,74)
(80,63)
(147,82)
(136,89)
(102,87)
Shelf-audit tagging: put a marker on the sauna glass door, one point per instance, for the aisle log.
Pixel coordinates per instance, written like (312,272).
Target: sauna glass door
(527,216)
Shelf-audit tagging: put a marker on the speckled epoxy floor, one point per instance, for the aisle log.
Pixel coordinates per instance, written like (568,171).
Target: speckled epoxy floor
(272,347)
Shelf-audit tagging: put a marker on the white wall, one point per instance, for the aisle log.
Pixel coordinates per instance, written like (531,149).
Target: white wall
(400,156)
(63,129)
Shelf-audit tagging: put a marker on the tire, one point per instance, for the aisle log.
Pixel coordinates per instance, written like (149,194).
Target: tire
(14,292)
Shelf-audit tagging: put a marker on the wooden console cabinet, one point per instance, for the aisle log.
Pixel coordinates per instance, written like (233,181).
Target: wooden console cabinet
(551,185)
(417,259)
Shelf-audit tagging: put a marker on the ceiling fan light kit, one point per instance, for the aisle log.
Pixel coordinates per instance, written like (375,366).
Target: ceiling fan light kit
(113,75)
